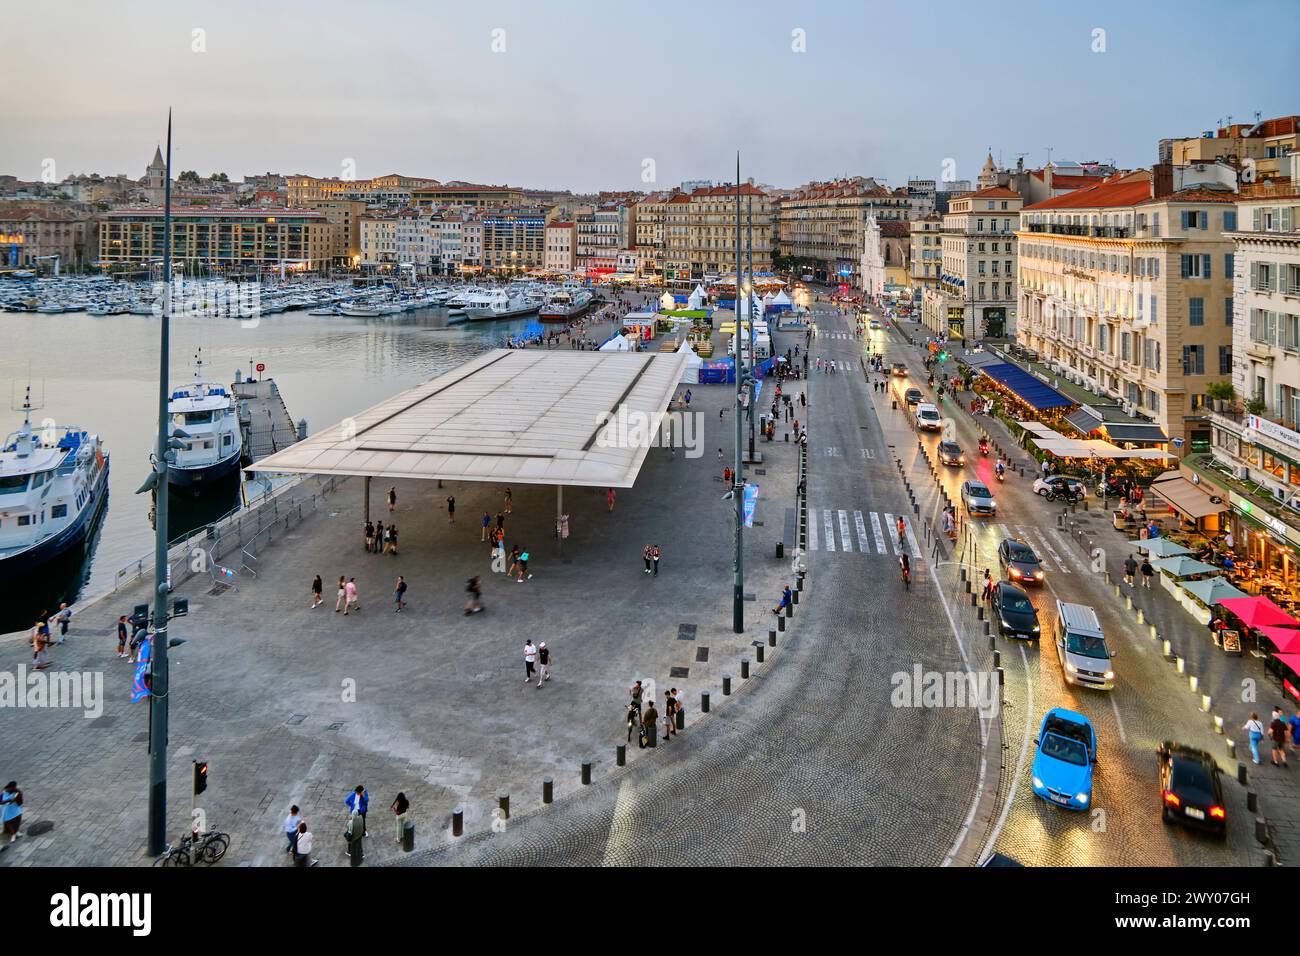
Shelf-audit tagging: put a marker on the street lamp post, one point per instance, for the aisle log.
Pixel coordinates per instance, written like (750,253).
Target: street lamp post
(738,482)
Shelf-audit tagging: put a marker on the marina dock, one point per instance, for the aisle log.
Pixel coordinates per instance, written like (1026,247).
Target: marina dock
(264,419)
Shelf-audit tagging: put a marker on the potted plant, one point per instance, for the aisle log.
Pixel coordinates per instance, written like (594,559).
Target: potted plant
(1256,406)
(1221,394)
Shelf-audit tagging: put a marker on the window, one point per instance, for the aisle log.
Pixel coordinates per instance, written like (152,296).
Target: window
(1225,359)
(1193,359)
(1153,313)
(1227,311)
(1195,267)
(1229,220)
(59,511)
(1195,311)
(1195,219)
(1228,263)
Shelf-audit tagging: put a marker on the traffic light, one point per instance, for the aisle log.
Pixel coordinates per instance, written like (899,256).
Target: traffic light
(200,776)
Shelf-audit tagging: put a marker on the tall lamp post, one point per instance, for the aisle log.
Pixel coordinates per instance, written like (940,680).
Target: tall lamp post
(738,483)
(750,333)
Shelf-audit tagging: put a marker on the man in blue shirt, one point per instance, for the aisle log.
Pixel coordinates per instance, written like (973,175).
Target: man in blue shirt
(358,801)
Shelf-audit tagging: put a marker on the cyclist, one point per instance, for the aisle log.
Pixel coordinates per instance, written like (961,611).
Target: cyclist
(906,567)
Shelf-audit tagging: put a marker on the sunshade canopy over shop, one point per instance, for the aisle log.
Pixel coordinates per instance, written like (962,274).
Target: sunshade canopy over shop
(511,415)
(1186,497)
(1037,395)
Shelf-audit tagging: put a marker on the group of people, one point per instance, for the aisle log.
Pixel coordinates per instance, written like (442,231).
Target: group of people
(42,634)
(645,722)
(1132,569)
(380,540)
(651,555)
(300,841)
(1279,725)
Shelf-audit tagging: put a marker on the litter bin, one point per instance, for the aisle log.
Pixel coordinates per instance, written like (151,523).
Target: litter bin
(780,549)
(408,837)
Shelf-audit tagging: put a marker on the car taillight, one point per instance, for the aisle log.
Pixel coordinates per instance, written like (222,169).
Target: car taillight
(1172,799)
(1217,813)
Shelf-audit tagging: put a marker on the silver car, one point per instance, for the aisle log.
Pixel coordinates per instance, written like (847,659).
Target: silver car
(977,498)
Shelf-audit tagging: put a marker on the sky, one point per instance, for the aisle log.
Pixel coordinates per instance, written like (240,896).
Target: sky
(626,94)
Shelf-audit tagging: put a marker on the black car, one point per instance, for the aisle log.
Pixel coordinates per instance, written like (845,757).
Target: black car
(1019,563)
(1014,612)
(899,369)
(912,396)
(950,453)
(1190,791)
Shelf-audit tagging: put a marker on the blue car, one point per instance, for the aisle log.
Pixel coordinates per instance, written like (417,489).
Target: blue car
(1067,751)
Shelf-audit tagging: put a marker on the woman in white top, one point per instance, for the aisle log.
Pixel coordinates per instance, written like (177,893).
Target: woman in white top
(302,851)
(1255,728)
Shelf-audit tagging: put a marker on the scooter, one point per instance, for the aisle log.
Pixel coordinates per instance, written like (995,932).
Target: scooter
(984,448)
(1001,474)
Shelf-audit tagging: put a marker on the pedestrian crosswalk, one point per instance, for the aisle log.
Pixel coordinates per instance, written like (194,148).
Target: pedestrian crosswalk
(845,531)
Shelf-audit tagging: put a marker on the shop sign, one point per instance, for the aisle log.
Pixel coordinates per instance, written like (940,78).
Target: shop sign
(1279,433)
(1276,526)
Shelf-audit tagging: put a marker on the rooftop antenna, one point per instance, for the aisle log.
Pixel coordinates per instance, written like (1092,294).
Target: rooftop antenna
(1049,154)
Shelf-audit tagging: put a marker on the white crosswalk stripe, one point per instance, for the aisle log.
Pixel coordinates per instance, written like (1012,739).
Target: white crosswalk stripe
(877,533)
(1066,548)
(830,530)
(812,530)
(844,533)
(911,537)
(1042,545)
(862,532)
(892,524)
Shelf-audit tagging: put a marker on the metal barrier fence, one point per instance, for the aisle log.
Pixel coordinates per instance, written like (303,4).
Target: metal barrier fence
(242,532)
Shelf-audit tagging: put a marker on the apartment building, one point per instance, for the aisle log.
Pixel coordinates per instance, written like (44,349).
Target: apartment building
(346,213)
(648,218)
(393,188)
(598,238)
(450,247)
(820,226)
(418,238)
(32,233)
(561,247)
(1258,434)
(700,232)
(926,255)
(471,244)
(514,240)
(220,239)
(1261,149)
(467,196)
(1126,289)
(975,297)
(378,240)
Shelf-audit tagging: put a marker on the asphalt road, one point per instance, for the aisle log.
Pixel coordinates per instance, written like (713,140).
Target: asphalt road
(1150,703)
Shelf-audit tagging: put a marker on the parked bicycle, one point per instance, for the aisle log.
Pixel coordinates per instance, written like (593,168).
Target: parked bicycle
(207,847)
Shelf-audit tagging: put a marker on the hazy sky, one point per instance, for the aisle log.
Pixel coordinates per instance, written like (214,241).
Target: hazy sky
(584,92)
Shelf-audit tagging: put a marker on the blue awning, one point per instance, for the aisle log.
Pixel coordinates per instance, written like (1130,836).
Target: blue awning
(1030,390)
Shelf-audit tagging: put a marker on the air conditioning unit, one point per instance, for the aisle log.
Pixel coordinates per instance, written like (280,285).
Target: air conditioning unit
(1279,494)
(1241,473)
(1294,503)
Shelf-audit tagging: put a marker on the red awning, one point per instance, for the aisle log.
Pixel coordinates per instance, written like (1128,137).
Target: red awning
(1287,639)
(1259,612)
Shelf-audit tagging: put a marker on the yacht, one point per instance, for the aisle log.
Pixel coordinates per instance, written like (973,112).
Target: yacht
(566,304)
(359,310)
(213,444)
(499,305)
(53,488)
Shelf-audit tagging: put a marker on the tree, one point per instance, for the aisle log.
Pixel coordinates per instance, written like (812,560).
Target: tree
(220,178)
(188,176)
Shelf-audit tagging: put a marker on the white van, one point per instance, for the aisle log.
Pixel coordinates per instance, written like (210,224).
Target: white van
(928,418)
(1081,647)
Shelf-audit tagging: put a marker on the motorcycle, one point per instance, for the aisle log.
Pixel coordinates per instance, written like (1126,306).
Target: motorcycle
(984,448)
(1000,473)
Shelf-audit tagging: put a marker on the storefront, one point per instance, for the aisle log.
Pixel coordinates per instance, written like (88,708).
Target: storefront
(994,325)
(1265,540)
(956,322)
(1199,507)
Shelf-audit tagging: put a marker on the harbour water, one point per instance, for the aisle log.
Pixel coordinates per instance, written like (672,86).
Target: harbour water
(102,373)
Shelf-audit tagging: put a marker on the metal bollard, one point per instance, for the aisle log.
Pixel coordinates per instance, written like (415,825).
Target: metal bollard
(586,773)
(789,608)
(997,658)
(979,612)
(1141,616)
(704,702)
(794,595)
(744,668)
(780,623)
(1241,773)
(726,685)
(1002,677)
(548,790)
(620,755)
(457,820)
(1232,747)
(503,803)
(758,653)
(771,637)
(1261,830)
(993,641)
(681,719)
(1252,801)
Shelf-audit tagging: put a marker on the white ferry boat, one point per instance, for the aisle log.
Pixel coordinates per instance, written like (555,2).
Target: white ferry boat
(213,446)
(53,489)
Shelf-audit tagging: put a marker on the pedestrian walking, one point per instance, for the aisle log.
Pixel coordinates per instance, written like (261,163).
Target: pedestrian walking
(645,556)
(501,521)
(670,712)
(399,808)
(633,719)
(513,569)
(1255,729)
(317,586)
(121,636)
(451,509)
(358,802)
(377,542)
(530,659)
(474,588)
(392,539)
(40,641)
(341,601)
(368,535)
(543,663)
(1147,572)
(654,557)
(1277,730)
(11,813)
(988,585)
(635,694)
(354,831)
(350,601)
(291,829)
(1294,725)
(509,501)
(609,499)
(392,498)
(399,594)
(302,847)
(523,566)
(64,617)
(1130,569)
(487,523)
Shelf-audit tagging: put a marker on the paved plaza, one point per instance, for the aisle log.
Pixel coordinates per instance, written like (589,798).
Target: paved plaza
(294,705)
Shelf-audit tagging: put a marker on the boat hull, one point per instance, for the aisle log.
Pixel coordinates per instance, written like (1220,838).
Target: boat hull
(71,537)
(195,479)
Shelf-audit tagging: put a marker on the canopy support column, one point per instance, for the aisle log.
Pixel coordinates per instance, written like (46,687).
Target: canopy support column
(559,519)
(365,494)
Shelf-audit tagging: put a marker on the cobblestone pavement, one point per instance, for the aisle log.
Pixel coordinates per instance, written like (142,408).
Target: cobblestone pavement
(1151,702)
(812,762)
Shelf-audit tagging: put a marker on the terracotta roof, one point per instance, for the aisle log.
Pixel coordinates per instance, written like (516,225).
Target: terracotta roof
(993,192)
(1068,180)
(559,225)
(1116,191)
(1193,195)
(745,190)
(680,198)
(895,228)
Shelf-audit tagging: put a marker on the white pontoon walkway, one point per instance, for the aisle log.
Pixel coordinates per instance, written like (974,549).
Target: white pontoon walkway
(514,416)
